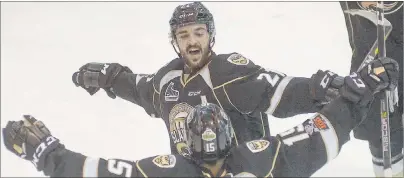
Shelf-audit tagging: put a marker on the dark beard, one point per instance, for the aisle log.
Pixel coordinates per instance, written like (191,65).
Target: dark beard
(204,60)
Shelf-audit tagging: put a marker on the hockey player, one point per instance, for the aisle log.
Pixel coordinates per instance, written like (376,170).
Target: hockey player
(246,91)
(362,35)
(298,152)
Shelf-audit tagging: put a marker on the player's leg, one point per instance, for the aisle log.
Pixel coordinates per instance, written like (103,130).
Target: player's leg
(370,131)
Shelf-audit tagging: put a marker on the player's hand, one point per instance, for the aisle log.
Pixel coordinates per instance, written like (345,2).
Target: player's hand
(381,74)
(93,76)
(323,87)
(378,75)
(29,139)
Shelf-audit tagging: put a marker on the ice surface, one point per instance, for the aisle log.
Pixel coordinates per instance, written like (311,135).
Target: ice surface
(42,44)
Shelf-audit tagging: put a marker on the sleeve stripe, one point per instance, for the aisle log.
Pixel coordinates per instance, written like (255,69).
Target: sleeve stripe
(330,140)
(276,98)
(90,167)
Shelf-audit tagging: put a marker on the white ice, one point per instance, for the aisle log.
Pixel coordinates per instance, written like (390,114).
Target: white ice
(43,43)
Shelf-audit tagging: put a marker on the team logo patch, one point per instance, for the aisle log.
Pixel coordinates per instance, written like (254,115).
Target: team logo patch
(320,123)
(171,94)
(177,120)
(389,7)
(316,124)
(208,135)
(238,59)
(257,145)
(165,161)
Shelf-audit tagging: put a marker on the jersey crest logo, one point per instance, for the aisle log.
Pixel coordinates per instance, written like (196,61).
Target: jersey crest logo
(165,161)
(171,94)
(208,135)
(389,7)
(177,120)
(316,124)
(238,59)
(256,146)
(320,123)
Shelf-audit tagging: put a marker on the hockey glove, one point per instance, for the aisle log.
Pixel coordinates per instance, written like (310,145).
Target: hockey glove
(324,86)
(378,75)
(93,76)
(30,140)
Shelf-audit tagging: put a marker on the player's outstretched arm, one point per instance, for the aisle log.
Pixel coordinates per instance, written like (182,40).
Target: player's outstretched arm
(118,80)
(31,140)
(249,88)
(299,95)
(304,149)
(318,140)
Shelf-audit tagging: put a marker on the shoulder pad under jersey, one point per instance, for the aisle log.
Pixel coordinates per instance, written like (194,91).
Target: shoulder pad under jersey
(167,72)
(168,166)
(227,67)
(257,157)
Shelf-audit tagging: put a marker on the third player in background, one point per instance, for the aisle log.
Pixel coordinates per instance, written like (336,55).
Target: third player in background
(362,34)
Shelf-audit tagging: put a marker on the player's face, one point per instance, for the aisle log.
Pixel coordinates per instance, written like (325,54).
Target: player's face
(193,43)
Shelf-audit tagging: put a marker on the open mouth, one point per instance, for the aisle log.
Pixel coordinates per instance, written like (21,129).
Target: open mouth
(194,51)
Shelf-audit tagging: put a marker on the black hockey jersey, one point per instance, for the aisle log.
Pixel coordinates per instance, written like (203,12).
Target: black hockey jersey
(363,33)
(298,152)
(246,91)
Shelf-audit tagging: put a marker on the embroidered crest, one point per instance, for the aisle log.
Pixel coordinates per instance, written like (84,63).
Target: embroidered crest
(171,94)
(177,120)
(320,123)
(257,145)
(208,135)
(238,59)
(389,7)
(165,161)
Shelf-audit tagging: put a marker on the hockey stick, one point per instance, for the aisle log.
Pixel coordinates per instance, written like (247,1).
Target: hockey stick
(370,56)
(383,26)
(371,17)
(384,106)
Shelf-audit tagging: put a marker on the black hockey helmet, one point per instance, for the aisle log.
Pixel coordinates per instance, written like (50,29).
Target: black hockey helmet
(209,133)
(191,13)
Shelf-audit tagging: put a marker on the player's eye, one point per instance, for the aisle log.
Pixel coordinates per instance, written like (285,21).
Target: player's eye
(183,37)
(199,33)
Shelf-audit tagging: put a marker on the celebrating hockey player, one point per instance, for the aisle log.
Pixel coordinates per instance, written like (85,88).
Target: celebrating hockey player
(362,35)
(298,152)
(246,91)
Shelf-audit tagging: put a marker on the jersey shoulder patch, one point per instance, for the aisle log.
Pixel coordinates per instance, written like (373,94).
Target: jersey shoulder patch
(257,145)
(238,59)
(168,165)
(228,67)
(165,161)
(255,157)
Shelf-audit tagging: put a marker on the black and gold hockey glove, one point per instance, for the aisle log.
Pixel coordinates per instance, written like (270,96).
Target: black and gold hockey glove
(29,139)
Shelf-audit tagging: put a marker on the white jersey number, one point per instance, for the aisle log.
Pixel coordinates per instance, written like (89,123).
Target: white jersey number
(118,167)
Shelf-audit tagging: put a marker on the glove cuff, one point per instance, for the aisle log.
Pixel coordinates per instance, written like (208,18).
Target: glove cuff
(53,159)
(43,150)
